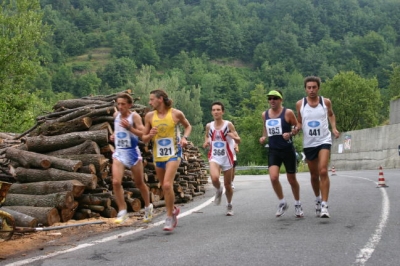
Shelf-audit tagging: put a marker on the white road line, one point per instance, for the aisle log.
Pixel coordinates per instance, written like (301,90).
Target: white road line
(106,239)
(366,252)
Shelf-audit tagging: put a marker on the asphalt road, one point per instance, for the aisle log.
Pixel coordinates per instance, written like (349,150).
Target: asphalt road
(363,229)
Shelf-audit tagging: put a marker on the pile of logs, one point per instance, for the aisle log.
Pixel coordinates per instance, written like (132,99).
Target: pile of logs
(61,167)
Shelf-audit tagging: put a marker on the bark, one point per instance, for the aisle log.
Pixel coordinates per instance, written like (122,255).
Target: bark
(109,212)
(99,161)
(93,200)
(24,175)
(104,125)
(58,200)
(45,144)
(48,187)
(87,147)
(32,159)
(51,128)
(75,103)
(21,219)
(46,216)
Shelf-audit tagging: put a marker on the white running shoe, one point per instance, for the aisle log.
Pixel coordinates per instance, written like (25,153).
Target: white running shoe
(324,212)
(148,214)
(168,225)
(218,196)
(318,208)
(298,211)
(282,208)
(229,210)
(121,217)
(233,186)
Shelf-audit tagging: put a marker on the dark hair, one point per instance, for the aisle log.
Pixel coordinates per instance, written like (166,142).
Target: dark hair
(312,79)
(161,93)
(218,103)
(126,96)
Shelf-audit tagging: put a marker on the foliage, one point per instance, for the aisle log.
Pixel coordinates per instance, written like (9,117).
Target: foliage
(22,31)
(348,88)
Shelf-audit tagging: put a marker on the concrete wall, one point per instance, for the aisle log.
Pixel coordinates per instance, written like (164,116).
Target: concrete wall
(395,112)
(367,148)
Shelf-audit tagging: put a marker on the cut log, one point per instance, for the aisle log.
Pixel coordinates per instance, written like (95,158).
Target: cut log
(98,160)
(66,214)
(87,147)
(75,103)
(52,128)
(109,212)
(48,187)
(158,204)
(22,219)
(133,204)
(46,216)
(33,159)
(92,200)
(43,144)
(58,200)
(87,169)
(24,175)
(104,125)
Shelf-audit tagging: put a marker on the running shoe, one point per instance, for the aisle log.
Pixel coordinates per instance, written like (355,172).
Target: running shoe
(218,196)
(324,212)
(168,225)
(233,186)
(282,208)
(298,211)
(148,213)
(172,222)
(229,210)
(318,208)
(121,217)
(175,214)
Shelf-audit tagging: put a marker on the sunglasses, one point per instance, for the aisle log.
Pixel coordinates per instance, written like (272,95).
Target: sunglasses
(273,98)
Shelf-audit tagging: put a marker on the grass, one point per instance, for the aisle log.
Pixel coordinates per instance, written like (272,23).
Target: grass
(96,58)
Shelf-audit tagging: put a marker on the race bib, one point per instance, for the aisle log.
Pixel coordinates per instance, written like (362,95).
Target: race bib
(313,129)
(274,127)
(219,148)
(165,147)
(123,140)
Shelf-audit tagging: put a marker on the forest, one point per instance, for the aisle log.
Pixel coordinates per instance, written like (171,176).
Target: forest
(201,51)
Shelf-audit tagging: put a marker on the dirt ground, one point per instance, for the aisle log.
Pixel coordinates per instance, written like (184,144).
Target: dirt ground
(22,243)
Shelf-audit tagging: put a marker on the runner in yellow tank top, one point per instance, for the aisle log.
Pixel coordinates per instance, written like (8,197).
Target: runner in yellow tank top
(165,142)
(161,127)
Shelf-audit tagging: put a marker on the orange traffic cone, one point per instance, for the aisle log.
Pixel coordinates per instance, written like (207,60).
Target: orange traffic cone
(381,180)
(333,170)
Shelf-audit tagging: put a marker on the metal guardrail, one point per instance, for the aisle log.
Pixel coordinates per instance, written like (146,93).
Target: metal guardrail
(241,167)
(251,167)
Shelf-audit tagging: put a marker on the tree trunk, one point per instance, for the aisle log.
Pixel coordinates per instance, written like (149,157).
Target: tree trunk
(52,128)
(48,187)
(87,147)
(21,219)
(58,200)
(43,144)
(44,215)
(32,159)
(24,175)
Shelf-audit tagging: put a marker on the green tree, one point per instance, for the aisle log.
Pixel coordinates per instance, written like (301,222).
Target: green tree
(356,101)
(22,30)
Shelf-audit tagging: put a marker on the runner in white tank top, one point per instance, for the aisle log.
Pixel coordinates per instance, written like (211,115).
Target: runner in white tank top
(313,113)
(220,156)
